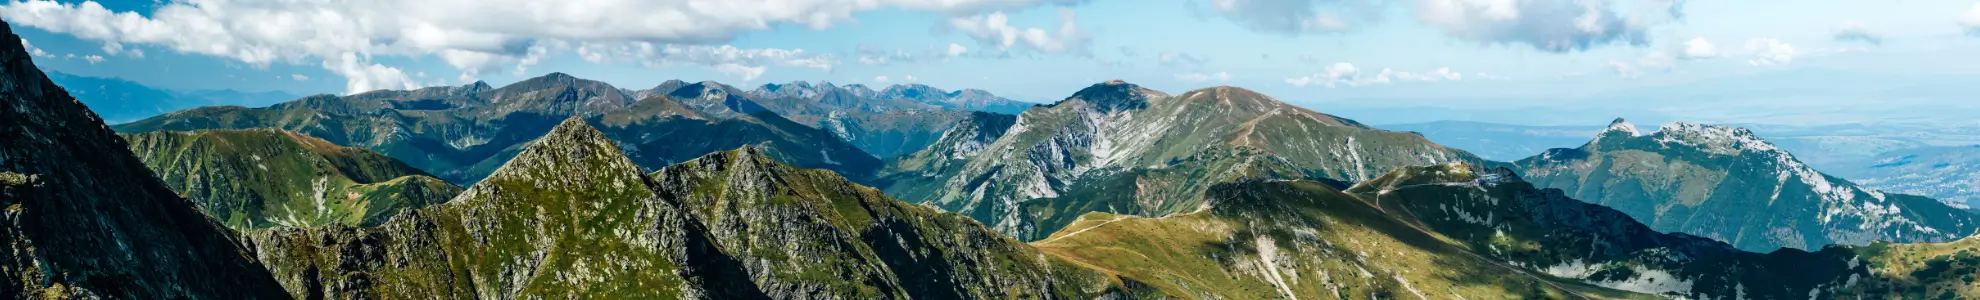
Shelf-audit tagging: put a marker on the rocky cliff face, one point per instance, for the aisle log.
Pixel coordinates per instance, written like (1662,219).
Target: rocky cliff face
(571,216)
(1110,135)
(252,179)
(85,219)
(1726,183)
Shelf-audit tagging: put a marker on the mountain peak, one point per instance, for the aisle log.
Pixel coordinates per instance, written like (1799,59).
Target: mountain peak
(1620,125)
(573,147)
(1713,138)
(477,87)
(1115,95)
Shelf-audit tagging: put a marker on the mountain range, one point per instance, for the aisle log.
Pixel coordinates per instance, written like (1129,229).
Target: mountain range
(1117,147)
(1920,159)
(1728,184)
(119,100)
(1125,193)
(463,133)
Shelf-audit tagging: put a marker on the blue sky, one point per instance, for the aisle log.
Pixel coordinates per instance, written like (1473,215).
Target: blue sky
(1659,58)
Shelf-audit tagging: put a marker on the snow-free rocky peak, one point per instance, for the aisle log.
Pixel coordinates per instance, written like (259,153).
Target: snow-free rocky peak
(1623,126)
(1115,95)
(571,151)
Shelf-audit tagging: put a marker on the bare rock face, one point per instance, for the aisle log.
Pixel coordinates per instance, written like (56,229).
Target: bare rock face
(85,219)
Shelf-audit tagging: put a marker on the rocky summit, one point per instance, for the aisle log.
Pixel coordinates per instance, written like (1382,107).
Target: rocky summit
(85,219)
(1118,147)
(1728,184)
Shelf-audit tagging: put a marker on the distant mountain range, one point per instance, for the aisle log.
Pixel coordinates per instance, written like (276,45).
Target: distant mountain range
(1919,159)
(119,100)
(1213,193)
(1728,184)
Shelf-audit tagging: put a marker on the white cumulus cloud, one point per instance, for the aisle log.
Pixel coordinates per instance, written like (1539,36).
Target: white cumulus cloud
(881,78)
(93,59)
(1698,48)
(1769,52)
(1549,25)
(299,77)
(470,35)
(995,30)
(33,51)
(956,50)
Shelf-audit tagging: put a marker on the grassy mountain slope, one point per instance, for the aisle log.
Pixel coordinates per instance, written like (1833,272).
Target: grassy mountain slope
(571,216)
(1460,230)
(1110,135)
(1298,239)
(252,179)
(1727,184)
(85,219)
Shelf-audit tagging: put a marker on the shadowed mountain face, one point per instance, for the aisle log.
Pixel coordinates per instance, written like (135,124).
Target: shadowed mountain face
(1728,184)
(252,179)
(463,133)
(572,217)
(85,219)
(1117,147)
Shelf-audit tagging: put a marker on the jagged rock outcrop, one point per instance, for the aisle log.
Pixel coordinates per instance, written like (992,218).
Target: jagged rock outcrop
(85,219)
(1728,184)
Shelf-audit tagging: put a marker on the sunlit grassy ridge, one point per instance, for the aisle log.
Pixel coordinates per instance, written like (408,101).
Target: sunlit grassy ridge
(572,217)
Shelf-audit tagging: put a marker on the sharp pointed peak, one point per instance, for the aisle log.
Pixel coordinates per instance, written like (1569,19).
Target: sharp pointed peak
(573,150)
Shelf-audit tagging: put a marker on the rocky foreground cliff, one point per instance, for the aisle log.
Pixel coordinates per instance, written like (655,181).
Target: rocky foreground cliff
(85,219)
